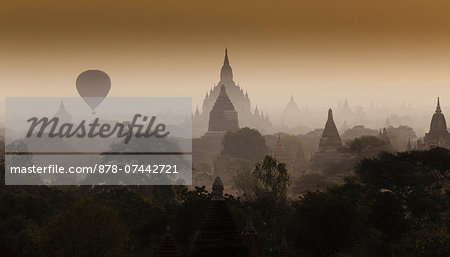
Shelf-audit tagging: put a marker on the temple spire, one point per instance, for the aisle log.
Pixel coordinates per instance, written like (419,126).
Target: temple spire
(438,107)
(226,61)
(226,73)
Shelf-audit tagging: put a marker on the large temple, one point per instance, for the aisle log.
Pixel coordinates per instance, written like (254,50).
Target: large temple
(438,134)
(241,102)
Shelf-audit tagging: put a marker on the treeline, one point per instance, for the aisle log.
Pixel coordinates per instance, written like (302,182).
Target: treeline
(396,205)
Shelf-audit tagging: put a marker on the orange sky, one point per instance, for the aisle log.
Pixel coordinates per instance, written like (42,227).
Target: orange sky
(385,51)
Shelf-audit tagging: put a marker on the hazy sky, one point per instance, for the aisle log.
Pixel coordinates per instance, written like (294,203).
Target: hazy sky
(385,51)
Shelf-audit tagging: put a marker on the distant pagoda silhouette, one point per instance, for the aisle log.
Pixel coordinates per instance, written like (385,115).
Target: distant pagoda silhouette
(250,237)
(330,137)
(384,137)
(438,134)
(329,146)
(218,235)
(63,115)
(280,153)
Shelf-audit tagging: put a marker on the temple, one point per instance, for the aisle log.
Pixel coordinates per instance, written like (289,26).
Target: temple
(223,117)
(168,248)
(329,146)
(292,116)
(250,237)
(384,137)
(438,134)
(238,98)
(295,159)
(330,139)
(218,235)
(63,115)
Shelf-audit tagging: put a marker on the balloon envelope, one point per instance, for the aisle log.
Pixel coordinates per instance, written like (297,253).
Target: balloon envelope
(93,86)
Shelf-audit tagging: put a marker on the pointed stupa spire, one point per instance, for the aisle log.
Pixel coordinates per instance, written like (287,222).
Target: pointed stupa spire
(226,61)
(256,110)
(63,115)
(438,107)
(62,106)
(168,248)
(438,123)
(226,74)
(330,136)
(330,114)
(197,112)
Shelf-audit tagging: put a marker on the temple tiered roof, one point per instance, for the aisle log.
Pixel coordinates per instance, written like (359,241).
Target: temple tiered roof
(223,117)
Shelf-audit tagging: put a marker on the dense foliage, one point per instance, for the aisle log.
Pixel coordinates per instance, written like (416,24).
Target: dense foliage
(396,205)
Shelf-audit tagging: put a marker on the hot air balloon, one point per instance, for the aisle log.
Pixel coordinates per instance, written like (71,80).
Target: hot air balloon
(93,86)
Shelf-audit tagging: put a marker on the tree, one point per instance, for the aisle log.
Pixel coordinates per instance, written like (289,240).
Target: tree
(245,143)
(271,178)
(417,179)
(358,131)
(88,229)
(368,146)
(332,222)
(229,168)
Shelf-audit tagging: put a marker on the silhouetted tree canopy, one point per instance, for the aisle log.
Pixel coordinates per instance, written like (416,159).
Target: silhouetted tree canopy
(245,143)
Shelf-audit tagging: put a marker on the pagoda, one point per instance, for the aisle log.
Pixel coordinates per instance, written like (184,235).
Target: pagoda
(223,117)
(329,146)
(218,235)
(167,248)
(438,134)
